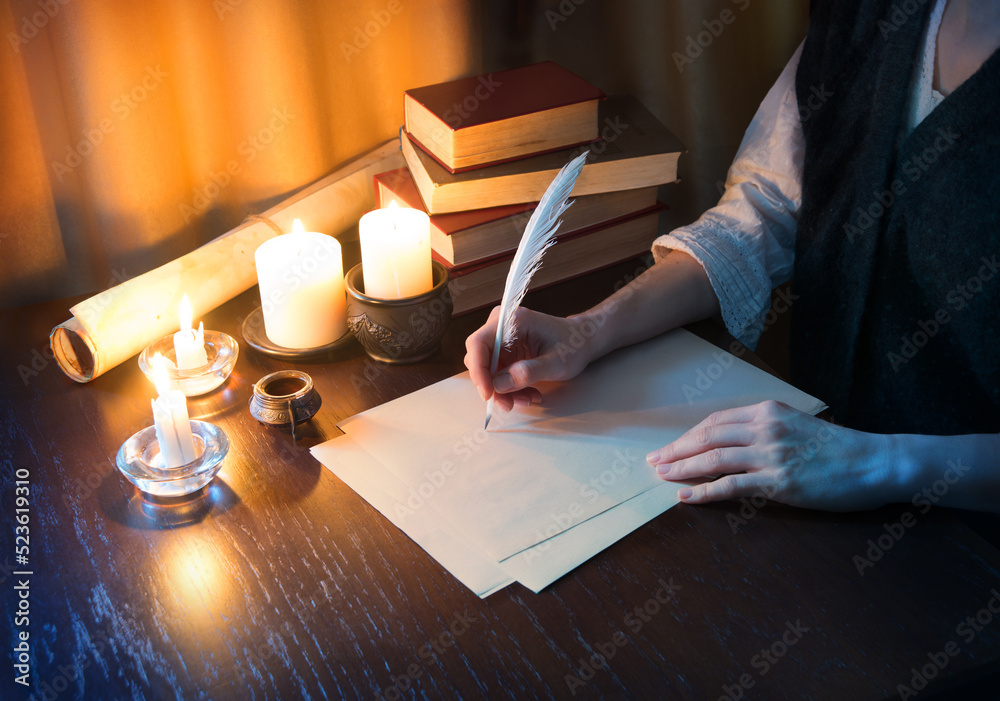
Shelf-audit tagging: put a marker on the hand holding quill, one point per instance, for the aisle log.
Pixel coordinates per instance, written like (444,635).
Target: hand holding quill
(538,236)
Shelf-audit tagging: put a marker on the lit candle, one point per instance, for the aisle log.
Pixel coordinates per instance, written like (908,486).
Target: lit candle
(189,345)
(170,419)
(396,252)
(301,278)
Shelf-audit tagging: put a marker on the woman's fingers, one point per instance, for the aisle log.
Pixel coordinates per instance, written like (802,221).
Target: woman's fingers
(726,488)
(479,354)
(717,461)
(527,372)
(703,437)
(521,398)
(504,402)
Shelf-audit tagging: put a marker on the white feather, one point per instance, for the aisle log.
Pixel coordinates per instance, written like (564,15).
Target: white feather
(538,236)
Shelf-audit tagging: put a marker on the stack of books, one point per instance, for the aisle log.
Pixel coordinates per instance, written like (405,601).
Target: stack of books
(481,151)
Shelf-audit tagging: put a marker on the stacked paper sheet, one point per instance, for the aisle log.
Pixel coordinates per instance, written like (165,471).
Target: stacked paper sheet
(546,488)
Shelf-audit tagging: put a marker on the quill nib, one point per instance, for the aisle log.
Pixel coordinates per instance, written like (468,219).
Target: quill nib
(489,413)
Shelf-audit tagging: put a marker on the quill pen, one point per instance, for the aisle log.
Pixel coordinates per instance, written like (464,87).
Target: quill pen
(538,236)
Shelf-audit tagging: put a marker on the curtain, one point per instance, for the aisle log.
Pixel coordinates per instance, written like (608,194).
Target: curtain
(134,132)
(701,66)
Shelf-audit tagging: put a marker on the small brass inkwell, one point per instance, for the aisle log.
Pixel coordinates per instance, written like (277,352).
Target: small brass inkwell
(286,397)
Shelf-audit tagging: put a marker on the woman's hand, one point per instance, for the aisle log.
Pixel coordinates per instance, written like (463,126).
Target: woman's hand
(673,292)
(782,453)
(546,348)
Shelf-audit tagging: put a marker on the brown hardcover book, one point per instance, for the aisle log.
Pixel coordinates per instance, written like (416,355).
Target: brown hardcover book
(636,151)
(480,285)
(470,122)
(461,238)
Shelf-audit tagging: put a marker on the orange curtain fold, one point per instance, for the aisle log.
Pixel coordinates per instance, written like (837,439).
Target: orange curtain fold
(135,132)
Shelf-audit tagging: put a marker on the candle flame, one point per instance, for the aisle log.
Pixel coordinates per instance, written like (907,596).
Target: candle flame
(185,313)
(297,227)
(160,376)
(393,208)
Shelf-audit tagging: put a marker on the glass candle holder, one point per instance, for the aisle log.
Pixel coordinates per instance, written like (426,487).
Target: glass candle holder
(221,349)
(141,461)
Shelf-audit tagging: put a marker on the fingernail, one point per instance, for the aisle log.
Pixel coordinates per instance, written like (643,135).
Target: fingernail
(503,382)
(653,457)
(685,493)
(664,470)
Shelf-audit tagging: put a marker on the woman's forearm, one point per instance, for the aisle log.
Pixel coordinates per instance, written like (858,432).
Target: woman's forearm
(958,471)
(673,292)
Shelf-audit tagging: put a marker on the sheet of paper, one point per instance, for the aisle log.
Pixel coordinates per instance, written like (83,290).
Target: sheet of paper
(369,478)
(545,470)
(541,565)
(535,568)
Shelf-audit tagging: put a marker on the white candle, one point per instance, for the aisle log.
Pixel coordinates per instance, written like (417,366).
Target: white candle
(189,345)
(301,278)
(396,252)
(170,419)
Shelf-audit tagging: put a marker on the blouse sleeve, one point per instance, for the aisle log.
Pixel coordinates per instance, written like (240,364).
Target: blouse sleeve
(746,243)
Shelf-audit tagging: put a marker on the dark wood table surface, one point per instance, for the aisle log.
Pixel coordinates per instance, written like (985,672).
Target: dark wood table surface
(280,582)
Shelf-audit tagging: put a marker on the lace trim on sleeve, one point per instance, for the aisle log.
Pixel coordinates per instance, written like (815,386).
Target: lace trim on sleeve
(735,272)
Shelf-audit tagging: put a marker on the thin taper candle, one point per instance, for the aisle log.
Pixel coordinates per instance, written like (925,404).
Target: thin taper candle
(170,419)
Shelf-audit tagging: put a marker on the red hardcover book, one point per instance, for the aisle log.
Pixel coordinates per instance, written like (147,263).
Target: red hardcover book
(461,238)
(637,151)
(500,116)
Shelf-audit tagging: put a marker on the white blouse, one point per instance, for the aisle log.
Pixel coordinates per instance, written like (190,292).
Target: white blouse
(746,243)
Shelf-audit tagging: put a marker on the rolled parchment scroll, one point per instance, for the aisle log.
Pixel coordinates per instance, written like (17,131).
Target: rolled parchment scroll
(116,324)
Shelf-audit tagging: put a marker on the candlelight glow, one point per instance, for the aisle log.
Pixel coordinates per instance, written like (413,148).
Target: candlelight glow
(160,376)
(393,219)
(301,281)
(185,313)
(189,346)
(196,577)
(396,252)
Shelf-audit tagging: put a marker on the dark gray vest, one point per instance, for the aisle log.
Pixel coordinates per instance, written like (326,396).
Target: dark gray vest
(897,266)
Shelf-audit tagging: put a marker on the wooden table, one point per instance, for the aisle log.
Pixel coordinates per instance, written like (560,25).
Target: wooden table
(280,582)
